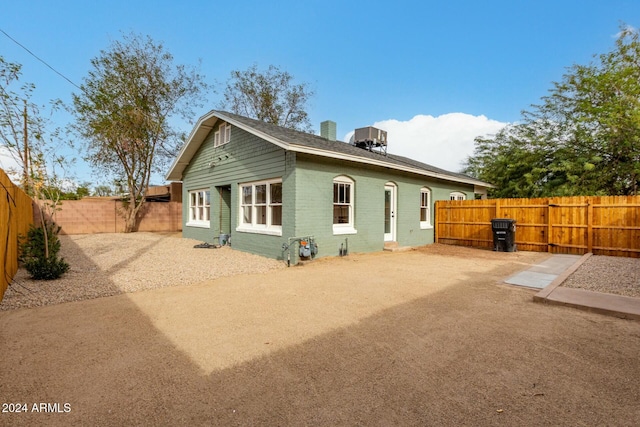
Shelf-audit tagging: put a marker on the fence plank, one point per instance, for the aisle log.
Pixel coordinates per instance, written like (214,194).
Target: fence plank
(16,214)
(604,225)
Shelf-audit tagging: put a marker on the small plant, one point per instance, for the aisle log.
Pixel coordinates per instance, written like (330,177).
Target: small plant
(39,253)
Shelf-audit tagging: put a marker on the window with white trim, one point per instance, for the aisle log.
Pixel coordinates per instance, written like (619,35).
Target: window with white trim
(261,207)
(199,208)
(343,205)
(425,208)
(457,195)
(222,135)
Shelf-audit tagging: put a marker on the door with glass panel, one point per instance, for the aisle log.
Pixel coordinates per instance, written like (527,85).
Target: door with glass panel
(390,203)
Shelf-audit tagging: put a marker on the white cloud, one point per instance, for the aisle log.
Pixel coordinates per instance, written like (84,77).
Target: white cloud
(10,166)
(444,141)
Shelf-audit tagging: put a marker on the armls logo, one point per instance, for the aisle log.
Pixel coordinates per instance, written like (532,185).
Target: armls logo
(60,408)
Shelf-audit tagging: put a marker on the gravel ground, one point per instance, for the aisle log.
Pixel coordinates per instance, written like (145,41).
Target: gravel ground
(612,275)
(109,264)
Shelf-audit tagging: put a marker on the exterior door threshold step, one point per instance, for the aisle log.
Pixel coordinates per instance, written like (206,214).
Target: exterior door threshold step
(396,248)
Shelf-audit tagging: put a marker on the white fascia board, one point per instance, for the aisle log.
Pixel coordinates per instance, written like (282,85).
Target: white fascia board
(256,132)
(352,158)
(196,137)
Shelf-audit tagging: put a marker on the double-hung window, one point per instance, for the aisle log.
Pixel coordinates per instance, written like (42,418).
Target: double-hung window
(343,190)
(199,208)
(222,135)
(457,195)
(425,208)
(261,207)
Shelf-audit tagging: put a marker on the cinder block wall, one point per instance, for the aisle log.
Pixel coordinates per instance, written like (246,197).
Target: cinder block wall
(91,216)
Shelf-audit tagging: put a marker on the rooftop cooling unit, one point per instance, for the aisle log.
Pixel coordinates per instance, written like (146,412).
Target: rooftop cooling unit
(371,138)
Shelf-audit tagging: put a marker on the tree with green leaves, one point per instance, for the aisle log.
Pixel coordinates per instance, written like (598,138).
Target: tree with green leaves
(102,191)
(270,96)
(124,113)
(583,139)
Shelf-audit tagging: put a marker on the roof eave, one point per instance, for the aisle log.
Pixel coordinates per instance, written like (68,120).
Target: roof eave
(353,158)
(197,136)
(188,150)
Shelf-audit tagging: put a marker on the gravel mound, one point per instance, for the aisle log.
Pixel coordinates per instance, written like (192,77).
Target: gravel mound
(612,275)
(110,264)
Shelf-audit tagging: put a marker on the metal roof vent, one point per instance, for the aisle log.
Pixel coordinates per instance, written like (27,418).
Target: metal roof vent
(370,138)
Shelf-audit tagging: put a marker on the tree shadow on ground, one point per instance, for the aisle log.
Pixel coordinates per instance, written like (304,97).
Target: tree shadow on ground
(465,355)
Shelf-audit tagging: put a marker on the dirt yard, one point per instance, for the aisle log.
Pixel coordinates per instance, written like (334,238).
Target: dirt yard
(427,337)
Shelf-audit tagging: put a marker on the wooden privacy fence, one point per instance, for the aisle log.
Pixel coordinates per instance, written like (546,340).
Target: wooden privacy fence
(16,213)
(603,225)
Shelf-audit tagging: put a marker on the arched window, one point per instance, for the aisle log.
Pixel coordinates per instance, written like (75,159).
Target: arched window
(425,208)
(343,205)
(457,195)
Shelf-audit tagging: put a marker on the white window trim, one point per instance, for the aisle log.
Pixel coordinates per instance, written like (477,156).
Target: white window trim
(268,228)
(227,134)
(425,225)
(349,228)
(457,195)
(222,136)
(216,138)
(199,222)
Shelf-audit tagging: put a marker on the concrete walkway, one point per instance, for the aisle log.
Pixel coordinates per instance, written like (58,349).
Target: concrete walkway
(550,274)
(541,275)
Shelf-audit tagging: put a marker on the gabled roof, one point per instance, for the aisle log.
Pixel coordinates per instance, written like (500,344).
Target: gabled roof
(301,142)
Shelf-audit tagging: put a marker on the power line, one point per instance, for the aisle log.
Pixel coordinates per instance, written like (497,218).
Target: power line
(41,60)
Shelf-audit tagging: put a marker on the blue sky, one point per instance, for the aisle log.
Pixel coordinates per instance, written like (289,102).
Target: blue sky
(434,74)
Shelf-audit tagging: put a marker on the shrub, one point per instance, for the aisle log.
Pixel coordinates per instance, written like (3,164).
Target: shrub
(34,256)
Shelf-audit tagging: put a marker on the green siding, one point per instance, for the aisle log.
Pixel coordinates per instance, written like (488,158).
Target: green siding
(314,197)
(307,185)
(245,158)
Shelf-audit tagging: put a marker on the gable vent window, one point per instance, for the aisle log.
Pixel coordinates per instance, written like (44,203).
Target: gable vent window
(222,135)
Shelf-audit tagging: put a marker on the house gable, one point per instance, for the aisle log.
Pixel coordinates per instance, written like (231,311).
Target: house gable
(219,170)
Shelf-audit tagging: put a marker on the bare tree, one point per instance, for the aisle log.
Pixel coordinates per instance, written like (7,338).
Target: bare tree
(270,96)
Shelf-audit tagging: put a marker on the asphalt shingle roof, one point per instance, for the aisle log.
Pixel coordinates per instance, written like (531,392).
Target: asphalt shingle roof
(294,137)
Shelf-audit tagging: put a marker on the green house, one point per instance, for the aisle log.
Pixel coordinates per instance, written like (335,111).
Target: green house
(259,186)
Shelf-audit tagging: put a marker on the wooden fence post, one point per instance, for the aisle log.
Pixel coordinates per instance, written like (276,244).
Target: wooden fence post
(437,217)
(549,227)
(589,225)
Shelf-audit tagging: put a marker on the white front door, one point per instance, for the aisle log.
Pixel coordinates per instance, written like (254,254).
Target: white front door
(389,213)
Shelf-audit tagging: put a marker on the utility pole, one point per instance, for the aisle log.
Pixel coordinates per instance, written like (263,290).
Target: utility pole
(26,152)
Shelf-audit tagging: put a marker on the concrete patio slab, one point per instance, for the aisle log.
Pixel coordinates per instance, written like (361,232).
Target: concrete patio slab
(541,275)
(531,279)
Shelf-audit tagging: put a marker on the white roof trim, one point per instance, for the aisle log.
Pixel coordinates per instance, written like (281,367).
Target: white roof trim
(187,152)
